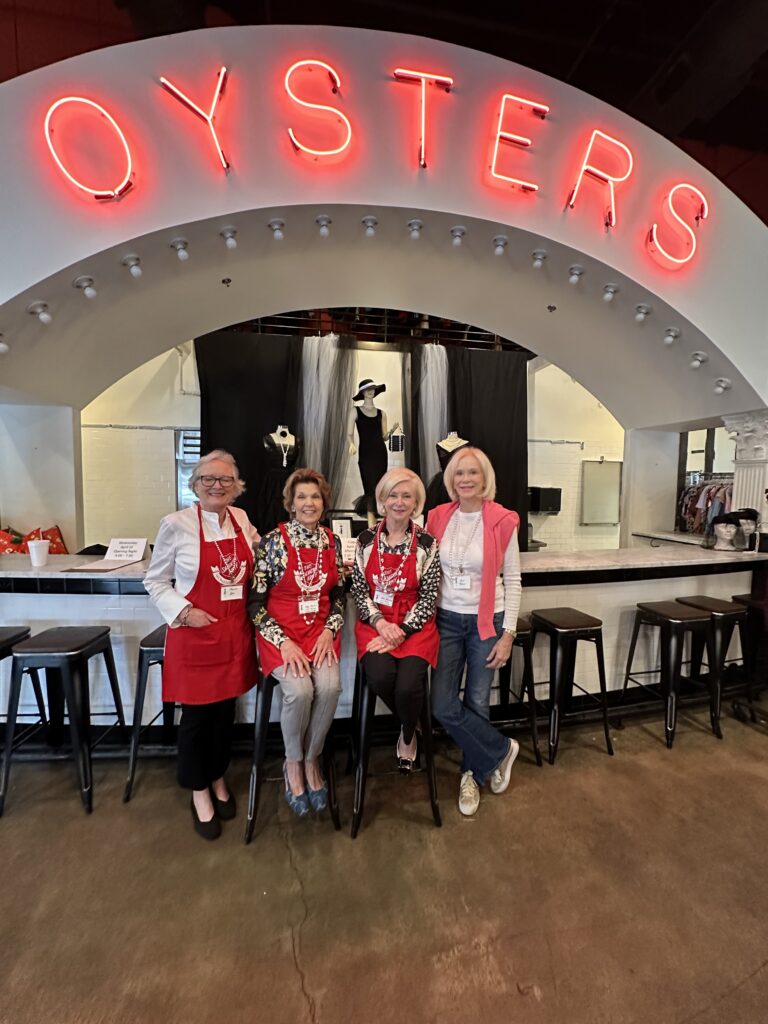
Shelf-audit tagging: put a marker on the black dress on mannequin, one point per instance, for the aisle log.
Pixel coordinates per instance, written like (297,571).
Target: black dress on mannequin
(436,492)
(269,501)
(371,458)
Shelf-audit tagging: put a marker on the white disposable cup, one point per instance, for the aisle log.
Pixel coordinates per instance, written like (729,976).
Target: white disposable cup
(38,552)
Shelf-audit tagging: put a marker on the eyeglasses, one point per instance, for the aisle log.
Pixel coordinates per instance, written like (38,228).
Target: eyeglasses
(210,481)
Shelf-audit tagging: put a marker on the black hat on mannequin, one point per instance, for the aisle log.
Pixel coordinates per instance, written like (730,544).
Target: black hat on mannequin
(366,385)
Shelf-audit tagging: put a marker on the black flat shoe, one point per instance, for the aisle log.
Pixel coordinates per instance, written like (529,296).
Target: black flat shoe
(207,829)
(404,764)
(225,809)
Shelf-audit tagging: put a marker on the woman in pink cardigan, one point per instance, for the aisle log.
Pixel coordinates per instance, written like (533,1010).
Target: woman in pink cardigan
(477,610)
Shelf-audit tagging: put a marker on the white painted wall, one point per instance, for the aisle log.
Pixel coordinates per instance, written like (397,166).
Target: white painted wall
(40,469)
(561,409)
(650,482)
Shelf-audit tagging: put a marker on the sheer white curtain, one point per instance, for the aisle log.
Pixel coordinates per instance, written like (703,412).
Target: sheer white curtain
(433,407)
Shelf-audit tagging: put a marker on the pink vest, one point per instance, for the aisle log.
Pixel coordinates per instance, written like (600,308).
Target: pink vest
(499,524)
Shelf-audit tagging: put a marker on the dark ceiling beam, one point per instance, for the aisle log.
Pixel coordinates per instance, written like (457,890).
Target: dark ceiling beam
(707,70)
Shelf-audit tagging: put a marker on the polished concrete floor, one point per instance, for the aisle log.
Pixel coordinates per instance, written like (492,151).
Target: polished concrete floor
(631,889)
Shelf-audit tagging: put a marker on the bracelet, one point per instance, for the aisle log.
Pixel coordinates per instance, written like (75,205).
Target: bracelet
(510,632)
(185,615)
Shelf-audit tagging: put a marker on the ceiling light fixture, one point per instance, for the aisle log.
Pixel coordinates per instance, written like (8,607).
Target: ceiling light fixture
(133,263)
(671,335)
(457,234)
(230,237)
(500,243)
(414,227)
(40,310)
(180,245)
(574,274)
(538,256)
(698,359)
(324,224)
(642,312)
(722,384)
(369,223)
(609,292)
(277,227)
(85,284)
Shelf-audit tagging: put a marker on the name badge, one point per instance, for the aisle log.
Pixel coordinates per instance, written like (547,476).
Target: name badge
(309,605)
(461,582)
(232,593)
(384,597)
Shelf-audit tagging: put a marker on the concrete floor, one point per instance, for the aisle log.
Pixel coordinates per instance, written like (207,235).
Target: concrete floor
(619,890)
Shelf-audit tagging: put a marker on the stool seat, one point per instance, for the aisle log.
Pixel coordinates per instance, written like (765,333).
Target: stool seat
(155,640)
(713,605)
(523,625)
(10,635)
(672,611)
(750,602)
(565,619)
(62,640)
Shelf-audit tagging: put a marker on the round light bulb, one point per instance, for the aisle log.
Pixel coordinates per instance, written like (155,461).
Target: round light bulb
(370,231)
(719,389)
(90,292)
(278,234)
(695,364)
(669,338)
(640,316)
(415,233)
(456,240)
(182,254)
(499,250)
(608,296)
(135,270)
(4,348)
(324,231)
(574,279)
(230,241)
(44,317)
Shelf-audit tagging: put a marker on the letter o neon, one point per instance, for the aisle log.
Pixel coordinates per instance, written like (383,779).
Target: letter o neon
(97,193)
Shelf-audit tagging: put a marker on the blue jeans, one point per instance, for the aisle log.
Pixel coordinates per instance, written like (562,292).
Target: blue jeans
(466,722)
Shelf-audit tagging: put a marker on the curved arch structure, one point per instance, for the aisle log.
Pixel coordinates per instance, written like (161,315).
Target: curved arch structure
(507,151)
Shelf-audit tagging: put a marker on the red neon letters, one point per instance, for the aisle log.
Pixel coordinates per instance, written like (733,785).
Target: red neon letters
(686,237)
(335,86)
(603,175)
(404,75)
(218,92)
(518,140)
(125,182)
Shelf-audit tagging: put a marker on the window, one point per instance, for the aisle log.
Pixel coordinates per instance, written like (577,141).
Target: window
(187,454)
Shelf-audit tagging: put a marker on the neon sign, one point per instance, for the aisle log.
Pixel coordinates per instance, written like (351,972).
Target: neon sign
(404,75)
(335,86)
(671,239)
(125,182)
(218,92)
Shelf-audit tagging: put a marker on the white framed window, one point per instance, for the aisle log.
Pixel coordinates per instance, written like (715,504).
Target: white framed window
(187,454)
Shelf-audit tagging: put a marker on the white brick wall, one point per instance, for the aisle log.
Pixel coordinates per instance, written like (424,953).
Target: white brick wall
(129,482)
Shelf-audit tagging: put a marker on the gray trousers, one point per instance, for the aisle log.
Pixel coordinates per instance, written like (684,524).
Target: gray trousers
(309,705)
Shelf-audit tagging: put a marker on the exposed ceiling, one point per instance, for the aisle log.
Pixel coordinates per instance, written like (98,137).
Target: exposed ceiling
(697,72)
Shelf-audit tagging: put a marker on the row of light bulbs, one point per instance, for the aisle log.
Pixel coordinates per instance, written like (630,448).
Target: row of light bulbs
(276,225)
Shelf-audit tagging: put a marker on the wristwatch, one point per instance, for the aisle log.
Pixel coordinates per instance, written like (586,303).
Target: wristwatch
(510,632)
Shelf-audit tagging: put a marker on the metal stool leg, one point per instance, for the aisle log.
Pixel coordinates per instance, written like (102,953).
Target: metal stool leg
(631,654)
(329,764)
(429,754)
(556,673)
(716,655)
(75,684)
(354,727)
(367,709)
(603,689)
(10,725)
(671,663)
(138,711)
(34,675)
(747,660)
(261,722)
(529,685)
(55,707)
(109,660)
(505,677)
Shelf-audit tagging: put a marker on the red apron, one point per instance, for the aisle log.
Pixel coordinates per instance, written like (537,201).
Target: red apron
(424,643)
(218,661)
(283,601)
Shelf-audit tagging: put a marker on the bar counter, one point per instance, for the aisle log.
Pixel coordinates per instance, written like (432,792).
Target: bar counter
(604,583)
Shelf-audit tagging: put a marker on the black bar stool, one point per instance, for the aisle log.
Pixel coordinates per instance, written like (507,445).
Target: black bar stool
(10,635)
(365,723)
(673,620)
(264,690)
(151,652)
(757,615)
(565,627)
(523,640)
(66,650)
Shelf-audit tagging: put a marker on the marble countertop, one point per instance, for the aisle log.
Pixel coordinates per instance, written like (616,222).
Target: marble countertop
(679,556)
(670,537)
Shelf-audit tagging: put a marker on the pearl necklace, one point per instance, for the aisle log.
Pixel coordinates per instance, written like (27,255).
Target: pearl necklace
(457,554)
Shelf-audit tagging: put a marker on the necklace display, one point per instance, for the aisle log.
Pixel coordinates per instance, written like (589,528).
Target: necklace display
(389,581)
(457,554)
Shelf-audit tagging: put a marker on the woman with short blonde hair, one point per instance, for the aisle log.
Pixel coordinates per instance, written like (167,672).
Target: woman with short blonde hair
(389,482)
(476,616)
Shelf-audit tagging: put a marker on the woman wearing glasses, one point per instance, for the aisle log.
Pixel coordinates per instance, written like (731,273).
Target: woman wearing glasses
(199,579)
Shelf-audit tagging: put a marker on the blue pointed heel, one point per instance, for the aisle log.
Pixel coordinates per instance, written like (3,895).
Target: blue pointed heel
(298,804)
(318,798)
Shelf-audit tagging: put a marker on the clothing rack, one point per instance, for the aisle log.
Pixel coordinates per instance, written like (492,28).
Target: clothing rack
(696,476)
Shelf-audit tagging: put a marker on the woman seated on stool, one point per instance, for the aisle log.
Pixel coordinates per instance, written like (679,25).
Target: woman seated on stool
(297,605)
(476,616)
(199,577)
(395,581)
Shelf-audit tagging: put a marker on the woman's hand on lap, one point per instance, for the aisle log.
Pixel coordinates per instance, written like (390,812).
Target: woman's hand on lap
(294,659)
(323,649)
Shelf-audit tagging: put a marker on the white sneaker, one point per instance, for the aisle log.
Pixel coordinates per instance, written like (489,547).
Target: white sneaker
(469,795)
(500,776)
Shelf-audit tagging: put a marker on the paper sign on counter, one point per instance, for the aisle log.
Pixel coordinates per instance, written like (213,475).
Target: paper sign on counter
(122,551)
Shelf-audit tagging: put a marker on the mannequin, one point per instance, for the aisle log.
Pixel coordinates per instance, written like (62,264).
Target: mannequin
(726,534)
(371,425)
(282,454)
(748,519)
(436,492)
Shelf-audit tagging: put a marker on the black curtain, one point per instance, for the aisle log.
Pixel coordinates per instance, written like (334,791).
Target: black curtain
(410,383)
(488,405)
(248,384)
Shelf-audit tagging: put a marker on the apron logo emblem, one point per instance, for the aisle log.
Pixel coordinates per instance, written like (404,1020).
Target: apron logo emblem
(228,582)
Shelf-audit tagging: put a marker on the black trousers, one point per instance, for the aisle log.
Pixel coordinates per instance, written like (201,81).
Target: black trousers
(400,684)
(205,742)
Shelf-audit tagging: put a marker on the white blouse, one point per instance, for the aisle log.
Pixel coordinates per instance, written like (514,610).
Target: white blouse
(463,538)
(176,555)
